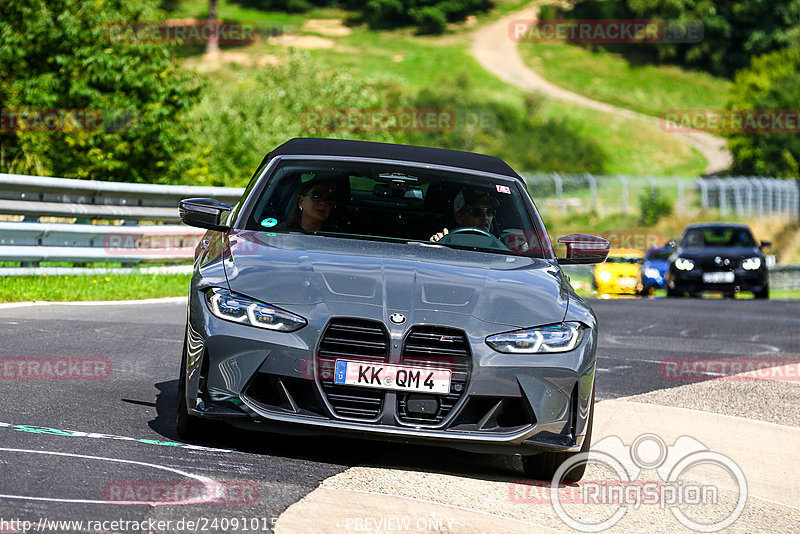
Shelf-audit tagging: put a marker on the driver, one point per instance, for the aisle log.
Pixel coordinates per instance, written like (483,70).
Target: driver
(471,208)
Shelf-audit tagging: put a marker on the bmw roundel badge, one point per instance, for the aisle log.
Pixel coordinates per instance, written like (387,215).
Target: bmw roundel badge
(397,318)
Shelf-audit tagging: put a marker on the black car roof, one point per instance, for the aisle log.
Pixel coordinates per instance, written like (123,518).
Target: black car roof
(309,146)
(717,225)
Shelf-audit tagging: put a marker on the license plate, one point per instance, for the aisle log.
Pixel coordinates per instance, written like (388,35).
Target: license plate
(626,282)
(396,377)
(718,278)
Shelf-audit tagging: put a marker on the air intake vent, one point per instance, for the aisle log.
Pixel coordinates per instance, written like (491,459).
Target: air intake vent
(440,348)
(352,339)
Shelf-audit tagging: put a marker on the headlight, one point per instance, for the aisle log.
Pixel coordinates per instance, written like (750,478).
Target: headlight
(605,276)
(240,309)
(652,273)
(684,264)
(556,338)
(751,264)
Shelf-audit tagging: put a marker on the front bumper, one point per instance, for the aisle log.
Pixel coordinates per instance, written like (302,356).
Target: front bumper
(273,381)
(692,281)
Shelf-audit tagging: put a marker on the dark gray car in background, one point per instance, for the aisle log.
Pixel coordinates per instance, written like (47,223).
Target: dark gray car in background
(721,257)
(367,328)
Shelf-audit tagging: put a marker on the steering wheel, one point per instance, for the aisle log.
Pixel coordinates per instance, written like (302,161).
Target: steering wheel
(475,232)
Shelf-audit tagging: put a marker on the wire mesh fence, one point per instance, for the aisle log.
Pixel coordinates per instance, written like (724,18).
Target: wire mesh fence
(603,195)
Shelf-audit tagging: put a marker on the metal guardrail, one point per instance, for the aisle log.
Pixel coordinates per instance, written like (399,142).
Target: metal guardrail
(36,196)
(128,242)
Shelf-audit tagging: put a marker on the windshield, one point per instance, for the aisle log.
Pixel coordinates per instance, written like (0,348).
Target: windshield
(376,201)
(663,254)
(723,237)
(624,259)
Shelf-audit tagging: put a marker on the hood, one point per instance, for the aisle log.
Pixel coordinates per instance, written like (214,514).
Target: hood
(620,269)
(659,265)
(725,252)
(375,279)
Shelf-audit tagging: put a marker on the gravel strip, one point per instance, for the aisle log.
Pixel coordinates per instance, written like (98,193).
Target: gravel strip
(496,486)
(763,400)
(521,501)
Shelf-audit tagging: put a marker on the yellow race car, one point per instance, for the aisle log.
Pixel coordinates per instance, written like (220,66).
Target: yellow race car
(620,273)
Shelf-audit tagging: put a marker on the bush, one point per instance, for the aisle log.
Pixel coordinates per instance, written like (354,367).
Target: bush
(57,55)
(734,32)
(653,207)
(772,82)
(518,136)
(429,16)
(236,126)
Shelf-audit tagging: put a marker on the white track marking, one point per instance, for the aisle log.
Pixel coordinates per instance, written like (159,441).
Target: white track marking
(209,484)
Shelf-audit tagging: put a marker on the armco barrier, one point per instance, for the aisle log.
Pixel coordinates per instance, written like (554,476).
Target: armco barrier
(124,205)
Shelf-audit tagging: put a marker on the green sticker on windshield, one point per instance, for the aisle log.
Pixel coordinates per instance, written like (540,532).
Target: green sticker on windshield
(269,223)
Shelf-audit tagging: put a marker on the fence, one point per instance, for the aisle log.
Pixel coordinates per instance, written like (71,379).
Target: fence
(743,197)
(113,222)
(751,197)
(135,223)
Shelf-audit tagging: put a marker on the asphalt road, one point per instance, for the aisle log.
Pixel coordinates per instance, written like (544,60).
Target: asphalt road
(67,447)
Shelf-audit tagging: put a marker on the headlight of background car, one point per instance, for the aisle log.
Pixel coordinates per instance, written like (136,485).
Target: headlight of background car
(605,276)
(651,273)
(556,338)
(751,264)
(684,264)
(241,309)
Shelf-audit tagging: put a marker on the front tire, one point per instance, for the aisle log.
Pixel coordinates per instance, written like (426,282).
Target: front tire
(188,427)
(544,465)
(763,294)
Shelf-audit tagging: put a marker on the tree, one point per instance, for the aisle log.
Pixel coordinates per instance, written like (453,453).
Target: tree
(734,31)
(212,45)
(771,83)
(71,59)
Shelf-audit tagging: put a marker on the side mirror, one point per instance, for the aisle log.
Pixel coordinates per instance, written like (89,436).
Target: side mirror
(765,244)
(584,249)
(203,213)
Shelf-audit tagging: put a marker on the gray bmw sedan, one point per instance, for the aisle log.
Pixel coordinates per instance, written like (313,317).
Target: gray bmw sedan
(389,292)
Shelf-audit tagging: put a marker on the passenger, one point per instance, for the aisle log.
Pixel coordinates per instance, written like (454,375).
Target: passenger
(315,204)
(471,208)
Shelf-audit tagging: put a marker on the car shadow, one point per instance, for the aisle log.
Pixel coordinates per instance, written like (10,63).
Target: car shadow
(337,450)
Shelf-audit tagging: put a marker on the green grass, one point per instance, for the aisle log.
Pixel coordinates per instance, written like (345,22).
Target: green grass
(412,62)
(611,77)
(785,294)
(198,9)
(91,287)
(633,147)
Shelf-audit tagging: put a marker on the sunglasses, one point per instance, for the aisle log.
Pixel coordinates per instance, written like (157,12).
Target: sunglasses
(316,197)
(481,212)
